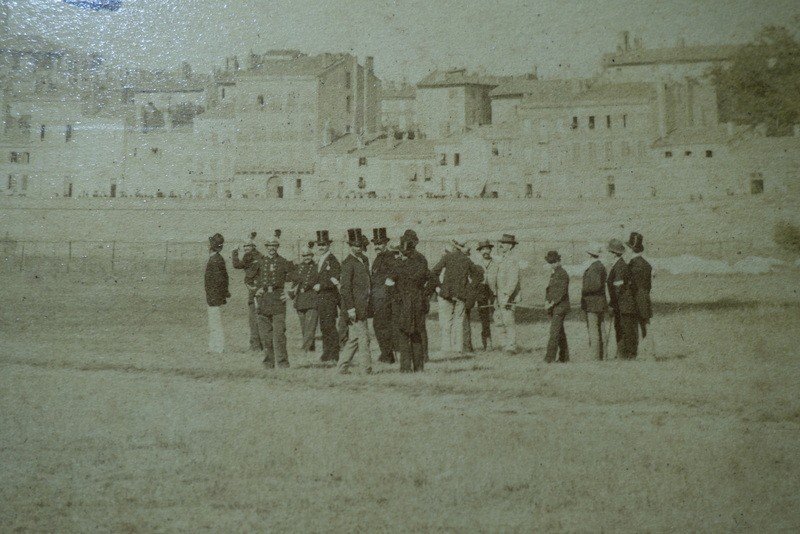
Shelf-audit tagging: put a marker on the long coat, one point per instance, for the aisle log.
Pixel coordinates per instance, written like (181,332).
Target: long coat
(621,291)
(273,275)
(459,271)
(381,268)
(593,292)
(305,278)
(504,279)
(328,269)
(248,262)
(356,286)
(557,291)
(642,274)
(475,289)
(409,294)
(216,281)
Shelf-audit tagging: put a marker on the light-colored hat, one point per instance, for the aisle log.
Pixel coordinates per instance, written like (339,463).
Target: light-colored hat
(594,250)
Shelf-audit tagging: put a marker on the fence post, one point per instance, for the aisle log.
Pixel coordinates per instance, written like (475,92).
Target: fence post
(113,254)
(166,255)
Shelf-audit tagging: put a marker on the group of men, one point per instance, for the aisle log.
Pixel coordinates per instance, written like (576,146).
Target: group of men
(395,292)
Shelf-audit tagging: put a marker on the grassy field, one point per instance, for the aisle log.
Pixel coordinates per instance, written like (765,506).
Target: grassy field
(113,417)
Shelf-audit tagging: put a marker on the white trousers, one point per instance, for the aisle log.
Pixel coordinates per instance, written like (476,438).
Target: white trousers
(506,327)
(216,336)
(451,322)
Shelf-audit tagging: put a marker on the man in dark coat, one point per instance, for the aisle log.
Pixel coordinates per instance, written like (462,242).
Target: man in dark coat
(452,277)
(274,274)
(381,305)
(642,274)
(593,301)
(622,299)
(327,287)
(355,294)
(473,290)
(407,282)
(305,298)
(557,305)
(485,297)
(249,263)
(217,293)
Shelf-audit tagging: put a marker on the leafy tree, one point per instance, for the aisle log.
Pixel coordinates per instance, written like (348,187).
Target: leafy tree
(762,83)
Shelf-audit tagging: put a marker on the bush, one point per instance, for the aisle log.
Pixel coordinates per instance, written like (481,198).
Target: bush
(787,236)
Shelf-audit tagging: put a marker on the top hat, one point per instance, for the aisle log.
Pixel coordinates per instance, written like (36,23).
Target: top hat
(616,246)
(379,236)
(509,239)
(216,241)
(322,237)
(636,242)
(594,250)
(354,237)
(484,244)
(552,257)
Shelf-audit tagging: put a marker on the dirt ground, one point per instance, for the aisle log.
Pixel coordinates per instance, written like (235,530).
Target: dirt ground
(113,417)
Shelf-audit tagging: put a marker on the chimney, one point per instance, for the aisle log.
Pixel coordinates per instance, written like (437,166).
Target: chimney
(624,42)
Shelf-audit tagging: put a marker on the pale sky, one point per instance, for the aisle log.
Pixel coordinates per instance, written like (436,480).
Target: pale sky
(408,38)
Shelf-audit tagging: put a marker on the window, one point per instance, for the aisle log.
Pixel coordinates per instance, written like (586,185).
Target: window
(624,121)
(427,172)
(154,150)
(443,159)
(611,190)
(414,177)
(456,159)
(687,153)
(349,103)
(223,93)
(608,121)
(14,157)
(668,154)
(347,79)
(68,133)
(528,190)
(280,191)
(260,100)
(495,151)
(298,184)
(24,182)
(709,153)
(574,124)
(591,122)
(113,190)
(41,132)
(11,182)
(362,161)
(361,182)
(756,186)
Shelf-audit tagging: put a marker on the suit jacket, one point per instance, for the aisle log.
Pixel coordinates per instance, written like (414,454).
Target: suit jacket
(356,286)
(248,262)
(459,272)
(642,274)
(593,292)
(485,294)
(381,268)
(409,294)
(273,275)
(329,268)
(558,291)
(475,288)
(304,279)
(621,290)
(216,280)
(505,282)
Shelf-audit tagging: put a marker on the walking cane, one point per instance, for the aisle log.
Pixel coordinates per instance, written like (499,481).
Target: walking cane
(612,319)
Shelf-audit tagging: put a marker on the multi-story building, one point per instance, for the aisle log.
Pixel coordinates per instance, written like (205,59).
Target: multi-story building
(398,107)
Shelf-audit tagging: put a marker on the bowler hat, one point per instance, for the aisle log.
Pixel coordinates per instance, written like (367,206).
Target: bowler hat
(552,257)
(616,246)
(216,240)
(509,239)
(354,237)
(307,252)
(594,250)
(484,244)
(323,238)
(410,236)
(379,236)
(636,242)
(459,244)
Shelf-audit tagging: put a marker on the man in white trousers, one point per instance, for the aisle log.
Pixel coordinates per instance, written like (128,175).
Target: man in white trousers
(217,293)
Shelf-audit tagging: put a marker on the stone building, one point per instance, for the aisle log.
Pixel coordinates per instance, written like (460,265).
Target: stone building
(398,107)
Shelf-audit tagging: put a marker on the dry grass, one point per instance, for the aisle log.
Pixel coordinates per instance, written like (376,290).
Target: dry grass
(114,418)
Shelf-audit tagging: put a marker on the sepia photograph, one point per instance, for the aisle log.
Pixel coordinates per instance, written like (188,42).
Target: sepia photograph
(400,266)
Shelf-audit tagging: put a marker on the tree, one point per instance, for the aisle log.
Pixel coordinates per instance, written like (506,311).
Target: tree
(762,83)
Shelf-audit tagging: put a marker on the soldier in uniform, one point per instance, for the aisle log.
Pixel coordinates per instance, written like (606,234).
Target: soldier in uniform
(642,275)
(484,297)
(593,301)
(305,298)
(217,293)
(505,286)
(381,305)
(355,298)
(622,297)
(274,273)
(249,262)
(557,306)
(407,282)
(327,287)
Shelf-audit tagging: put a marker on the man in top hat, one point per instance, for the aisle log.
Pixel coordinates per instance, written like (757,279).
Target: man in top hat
(505,286)
(381,305)
(355,294)
(451,278)
(217,293)
(642,274)
(484,296)
(557,306)
(407,282)
(275,274)
(622,299)
(305,298)
(327,287)
(593,300)
(249,262)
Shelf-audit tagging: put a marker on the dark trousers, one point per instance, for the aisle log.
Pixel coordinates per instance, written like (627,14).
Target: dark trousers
(308,327)
(255,338)
(328,314)
(412,355)
(557,344)
(627,330)
(485,315)
(424,339)
(384,332)
(272,329)
(466,344)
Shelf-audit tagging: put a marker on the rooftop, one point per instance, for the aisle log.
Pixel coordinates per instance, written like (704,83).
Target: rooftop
(381,147)
(297,66)
(571,93)
(458,77)
(398,92)
(673,55)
